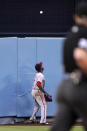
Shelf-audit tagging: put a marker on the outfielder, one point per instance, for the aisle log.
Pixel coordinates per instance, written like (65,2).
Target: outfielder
(37,94)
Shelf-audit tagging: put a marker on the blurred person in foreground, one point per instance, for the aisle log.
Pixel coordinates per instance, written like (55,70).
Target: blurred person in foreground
(72,92)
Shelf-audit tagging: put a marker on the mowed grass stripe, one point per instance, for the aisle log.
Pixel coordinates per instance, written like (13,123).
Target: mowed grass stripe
(34,128)
(24,128)
(77,128)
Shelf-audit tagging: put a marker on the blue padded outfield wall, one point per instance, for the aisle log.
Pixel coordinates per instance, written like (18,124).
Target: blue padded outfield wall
(17,59)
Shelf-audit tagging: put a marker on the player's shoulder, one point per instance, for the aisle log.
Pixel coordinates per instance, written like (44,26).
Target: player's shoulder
(75,33)
(39,74)
(74,30)
(72,34)
(78,30)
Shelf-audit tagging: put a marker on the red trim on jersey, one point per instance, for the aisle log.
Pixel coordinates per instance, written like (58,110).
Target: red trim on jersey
(38,83)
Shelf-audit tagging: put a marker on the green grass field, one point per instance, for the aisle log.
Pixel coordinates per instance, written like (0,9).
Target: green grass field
(34,128)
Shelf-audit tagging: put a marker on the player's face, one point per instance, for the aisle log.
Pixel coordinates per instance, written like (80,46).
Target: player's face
(42,69)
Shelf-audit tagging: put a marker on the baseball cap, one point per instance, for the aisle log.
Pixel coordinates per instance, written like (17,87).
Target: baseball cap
(39,66)
(41,63)
(81,10)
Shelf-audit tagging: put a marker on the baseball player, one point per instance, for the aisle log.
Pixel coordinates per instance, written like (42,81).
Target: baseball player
(72,92)
(37,94)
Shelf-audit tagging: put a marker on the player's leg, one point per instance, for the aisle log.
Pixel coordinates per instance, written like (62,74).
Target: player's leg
(41,101)
(36,108)
(85,123)
(65,118)
(81,102)
(43,110)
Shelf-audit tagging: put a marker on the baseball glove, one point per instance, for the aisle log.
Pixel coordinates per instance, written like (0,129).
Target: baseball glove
(48,98)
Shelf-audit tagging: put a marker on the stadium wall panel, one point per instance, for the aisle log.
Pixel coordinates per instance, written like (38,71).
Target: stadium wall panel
(18,57)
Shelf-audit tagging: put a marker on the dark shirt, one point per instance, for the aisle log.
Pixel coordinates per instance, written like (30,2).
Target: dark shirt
(77,37)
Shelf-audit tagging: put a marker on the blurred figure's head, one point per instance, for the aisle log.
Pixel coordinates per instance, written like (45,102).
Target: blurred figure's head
(80,16)
(39,67)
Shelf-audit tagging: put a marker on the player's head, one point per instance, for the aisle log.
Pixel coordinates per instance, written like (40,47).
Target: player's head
(81,14)
(39,67)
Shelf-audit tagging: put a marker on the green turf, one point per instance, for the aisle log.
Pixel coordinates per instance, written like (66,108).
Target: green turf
(33,128)
(77,128)
(24,128)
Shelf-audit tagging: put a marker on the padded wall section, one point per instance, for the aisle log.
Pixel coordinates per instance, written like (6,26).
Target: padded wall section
(49,51)
(8,76)
(18,57)
(26,62)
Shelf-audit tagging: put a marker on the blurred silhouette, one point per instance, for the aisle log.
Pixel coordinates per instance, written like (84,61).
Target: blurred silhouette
(72,92)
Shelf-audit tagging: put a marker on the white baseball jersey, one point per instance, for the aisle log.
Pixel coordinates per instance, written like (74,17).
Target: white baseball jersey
(38,77)
(39,98)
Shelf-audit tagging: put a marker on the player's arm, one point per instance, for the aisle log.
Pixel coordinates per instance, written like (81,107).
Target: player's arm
(39,85)
(80,56)
(43,83)
(41,88)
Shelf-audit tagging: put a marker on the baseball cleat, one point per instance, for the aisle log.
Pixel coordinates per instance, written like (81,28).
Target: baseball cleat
(44,123)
